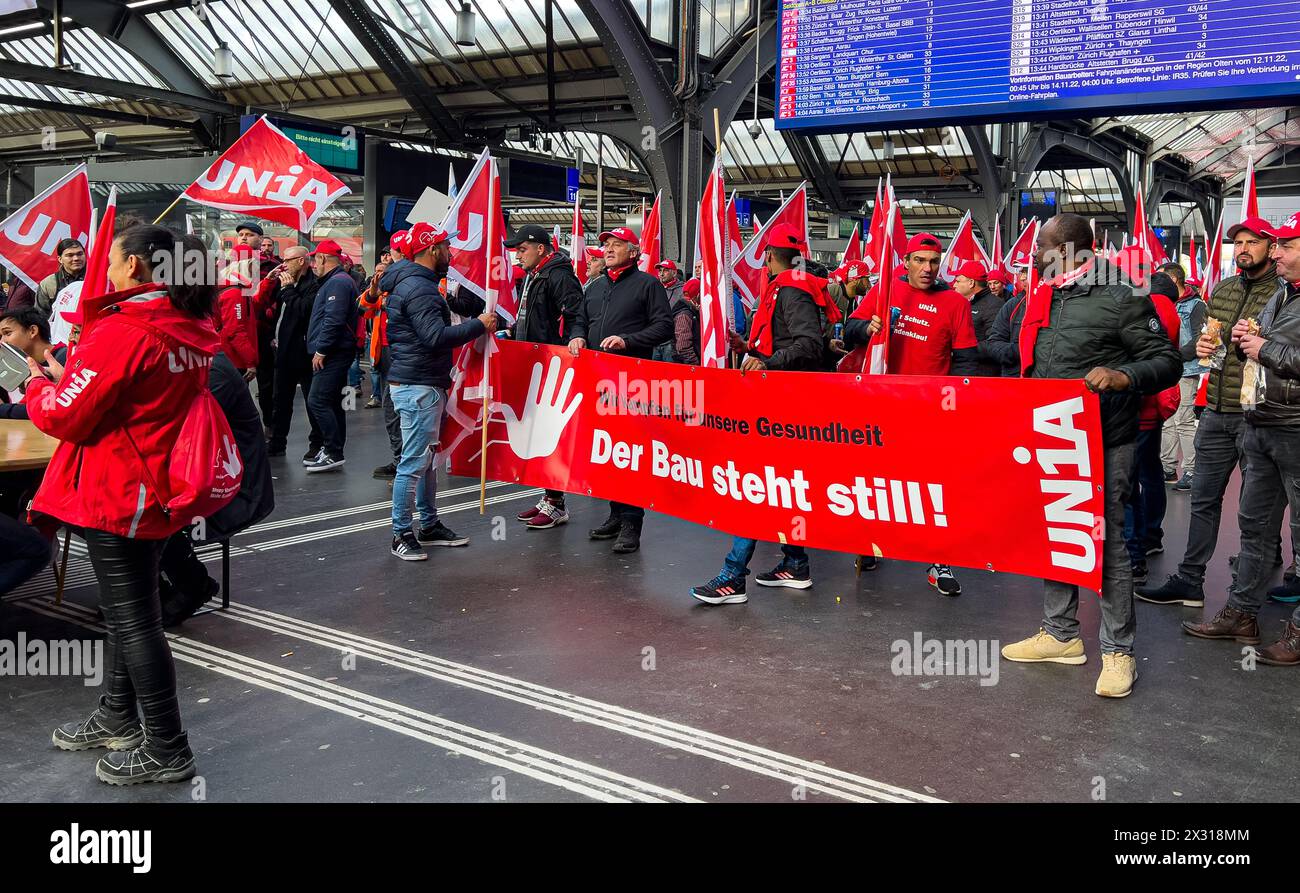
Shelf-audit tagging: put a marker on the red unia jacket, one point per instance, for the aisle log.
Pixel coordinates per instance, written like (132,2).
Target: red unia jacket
(237,326)
(118,411)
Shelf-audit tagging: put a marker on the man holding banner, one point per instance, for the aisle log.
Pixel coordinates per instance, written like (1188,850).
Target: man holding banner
(1115,342)
(626,311)
(787,335)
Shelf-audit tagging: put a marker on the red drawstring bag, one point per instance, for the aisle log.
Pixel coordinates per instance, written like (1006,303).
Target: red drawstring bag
(204,468)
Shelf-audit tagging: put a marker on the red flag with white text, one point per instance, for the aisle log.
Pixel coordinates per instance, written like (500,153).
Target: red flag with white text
(747,268)
(30,235)
(963,247)
(1022,252)
(264,174)
(715,272)
(476,265)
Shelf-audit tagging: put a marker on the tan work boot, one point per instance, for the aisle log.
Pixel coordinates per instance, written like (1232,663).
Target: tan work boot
(1118,673)
(1044,647)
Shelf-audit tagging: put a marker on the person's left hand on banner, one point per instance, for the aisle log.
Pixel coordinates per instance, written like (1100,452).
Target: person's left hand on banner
(576,345)
(753,364)
(1101,379)
(613,342)
(318,362)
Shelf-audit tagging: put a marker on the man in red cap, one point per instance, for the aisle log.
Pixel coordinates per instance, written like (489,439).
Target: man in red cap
(421,339)
(999,280)
(332,341)
(786,335)
(666,270)
(623,311)
(972,283)
(373,308)
(1221,429)
(595,264)
(686,324)
(1272,451)
(932,335)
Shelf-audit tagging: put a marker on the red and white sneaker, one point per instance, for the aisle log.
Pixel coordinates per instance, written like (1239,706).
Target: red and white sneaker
(548,516)
(941,578)
(529,514)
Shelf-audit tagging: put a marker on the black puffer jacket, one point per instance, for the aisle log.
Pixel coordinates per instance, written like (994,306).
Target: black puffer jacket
(551,295)
(420,334)
(984,308)
(1279,325)
(634,307)
(256,497)
(1101,321)
(1003,345)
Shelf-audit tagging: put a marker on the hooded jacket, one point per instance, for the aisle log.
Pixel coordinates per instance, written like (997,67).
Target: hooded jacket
(118,411)
(420,333)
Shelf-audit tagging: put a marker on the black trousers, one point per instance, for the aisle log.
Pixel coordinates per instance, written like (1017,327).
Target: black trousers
(266,375)
(142,671)
(292,370)
(182,567)
(325,402)
(627,512)
(23,552)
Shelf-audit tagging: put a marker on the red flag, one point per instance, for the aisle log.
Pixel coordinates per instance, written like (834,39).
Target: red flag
(897,232)
(737,242)
(1193,266)
(880,215)
(873,358)
(747,268)
(1022,252)
(963,247)
(1213,260)
(1146,237)
(481,268)
(995,256)
(95,286)
(264,174)
(715,269)
(1249,200)
(578,247)
(555,238)
(29,236)
(853,251)
(651,241)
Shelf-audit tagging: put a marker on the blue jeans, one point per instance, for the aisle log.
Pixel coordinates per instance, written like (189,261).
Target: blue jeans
(354,373)
(736,564)
(420,408)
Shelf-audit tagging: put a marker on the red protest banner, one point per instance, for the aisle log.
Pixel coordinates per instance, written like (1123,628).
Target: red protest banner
(850,463)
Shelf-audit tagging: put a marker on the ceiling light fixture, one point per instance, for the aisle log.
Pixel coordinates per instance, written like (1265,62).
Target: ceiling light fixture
(465,26)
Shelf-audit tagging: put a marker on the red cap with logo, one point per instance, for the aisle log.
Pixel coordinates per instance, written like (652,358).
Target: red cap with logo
(923,242)
(398,240)
(1256,225)
(621,233)
(1000,276)
(594,253)
(783,235)
(691,288)
(328,246)
(855,269)
(973,269)
(666,265)
(423,236)
(1288,230)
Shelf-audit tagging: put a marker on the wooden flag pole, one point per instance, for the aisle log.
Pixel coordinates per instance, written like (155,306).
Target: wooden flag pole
(492,258)
(160,217)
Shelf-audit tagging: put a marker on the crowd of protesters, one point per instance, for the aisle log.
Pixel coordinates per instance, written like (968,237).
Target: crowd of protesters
(1142,339)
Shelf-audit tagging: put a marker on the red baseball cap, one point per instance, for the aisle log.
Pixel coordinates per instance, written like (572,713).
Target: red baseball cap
(1000,276)
(691,288)
(923,242)
(594,253)
(783,235)
(328,246)
(1288,230)
(423,236)
(666,265)
(621,233)
(855,269)
(973,269)
(398,240)
(1256,225)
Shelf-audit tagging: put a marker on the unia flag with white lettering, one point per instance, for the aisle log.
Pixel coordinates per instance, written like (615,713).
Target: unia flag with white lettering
(963,247)
(480,262)
(715,278)
(29,236)
(747,270)
(264,174)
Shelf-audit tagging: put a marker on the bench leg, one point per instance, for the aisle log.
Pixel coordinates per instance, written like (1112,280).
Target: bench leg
(61,572)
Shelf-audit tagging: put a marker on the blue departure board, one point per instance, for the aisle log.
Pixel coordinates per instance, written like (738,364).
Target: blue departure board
(876,63)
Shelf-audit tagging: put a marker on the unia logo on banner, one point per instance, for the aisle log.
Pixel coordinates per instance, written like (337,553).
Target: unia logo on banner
(1067,473)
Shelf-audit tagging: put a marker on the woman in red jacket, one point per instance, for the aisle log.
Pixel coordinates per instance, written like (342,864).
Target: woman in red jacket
(118,409)
(234,319)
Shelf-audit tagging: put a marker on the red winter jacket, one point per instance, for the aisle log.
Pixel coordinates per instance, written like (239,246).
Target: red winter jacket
(236,325)
(121,402)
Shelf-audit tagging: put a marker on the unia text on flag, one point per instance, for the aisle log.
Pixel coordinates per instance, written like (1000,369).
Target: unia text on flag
(264,174)
(1021,254)
(747,268)
(963,248)
(30,235)
(651,238)
(578,246)
(715,272)
(1249,199)
(853,250)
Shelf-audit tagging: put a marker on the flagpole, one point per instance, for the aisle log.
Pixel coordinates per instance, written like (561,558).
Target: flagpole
(160,217)
(492,258)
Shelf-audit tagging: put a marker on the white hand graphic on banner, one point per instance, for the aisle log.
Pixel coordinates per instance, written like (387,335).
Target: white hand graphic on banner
(537,433)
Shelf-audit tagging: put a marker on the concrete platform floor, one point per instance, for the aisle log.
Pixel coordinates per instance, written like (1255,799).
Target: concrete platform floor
(539,666)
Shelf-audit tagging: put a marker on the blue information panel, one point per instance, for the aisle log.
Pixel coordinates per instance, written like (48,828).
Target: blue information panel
(877,63)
